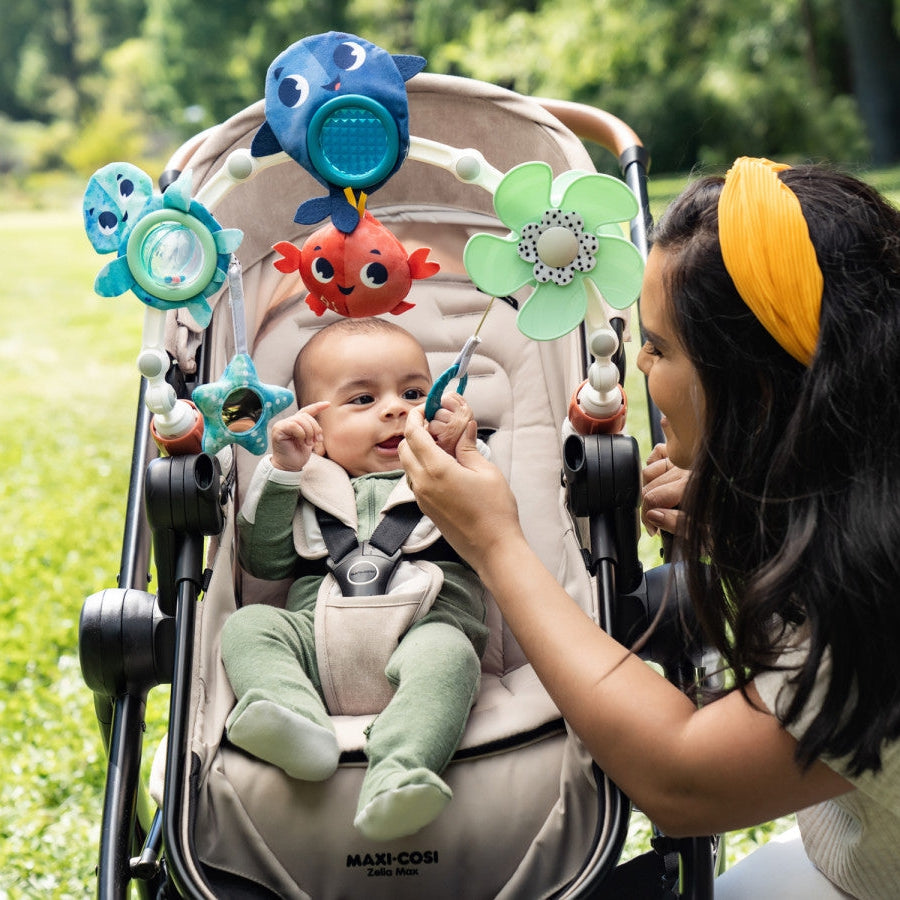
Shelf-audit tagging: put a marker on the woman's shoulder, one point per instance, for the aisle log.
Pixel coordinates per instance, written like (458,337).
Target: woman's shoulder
(776,691)
(774,685)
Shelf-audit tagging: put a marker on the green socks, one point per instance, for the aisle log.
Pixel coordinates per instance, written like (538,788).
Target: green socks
(395,802)
(286,739)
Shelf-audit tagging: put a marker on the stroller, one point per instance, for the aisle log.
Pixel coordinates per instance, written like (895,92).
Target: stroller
(532,816)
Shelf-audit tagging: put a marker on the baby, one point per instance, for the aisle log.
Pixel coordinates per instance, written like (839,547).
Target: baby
(355,382)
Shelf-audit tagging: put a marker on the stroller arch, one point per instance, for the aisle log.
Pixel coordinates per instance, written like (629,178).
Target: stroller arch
(531,815)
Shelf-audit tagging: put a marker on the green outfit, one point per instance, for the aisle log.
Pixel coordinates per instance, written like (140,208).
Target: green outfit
(271,657)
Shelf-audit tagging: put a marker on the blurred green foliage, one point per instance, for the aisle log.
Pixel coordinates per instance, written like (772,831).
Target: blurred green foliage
(701,81)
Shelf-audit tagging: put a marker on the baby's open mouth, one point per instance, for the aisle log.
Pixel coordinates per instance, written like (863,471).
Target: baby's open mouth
(391,443)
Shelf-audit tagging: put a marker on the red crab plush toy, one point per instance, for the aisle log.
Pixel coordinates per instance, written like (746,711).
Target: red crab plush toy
(364,273)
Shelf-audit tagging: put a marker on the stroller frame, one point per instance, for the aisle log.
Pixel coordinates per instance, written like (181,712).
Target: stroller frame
(132,641)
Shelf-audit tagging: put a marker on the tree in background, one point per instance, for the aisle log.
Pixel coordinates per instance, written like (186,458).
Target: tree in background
(874,48)
(699,80)
(212,60)
(51,54)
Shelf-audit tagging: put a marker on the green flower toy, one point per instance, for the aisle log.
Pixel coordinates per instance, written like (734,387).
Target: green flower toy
(564,231)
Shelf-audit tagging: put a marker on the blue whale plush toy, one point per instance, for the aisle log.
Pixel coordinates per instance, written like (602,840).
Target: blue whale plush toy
(337,105)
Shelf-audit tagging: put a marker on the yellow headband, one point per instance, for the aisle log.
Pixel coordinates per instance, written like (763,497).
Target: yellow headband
(769,255)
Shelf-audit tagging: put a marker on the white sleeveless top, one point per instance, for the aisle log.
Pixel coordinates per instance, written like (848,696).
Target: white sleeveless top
(854,839)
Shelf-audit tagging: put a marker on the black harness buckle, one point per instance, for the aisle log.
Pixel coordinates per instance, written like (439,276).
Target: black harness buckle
(365,571)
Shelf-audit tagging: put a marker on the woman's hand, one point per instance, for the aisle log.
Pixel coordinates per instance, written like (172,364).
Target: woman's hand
(466,496)
(662,492)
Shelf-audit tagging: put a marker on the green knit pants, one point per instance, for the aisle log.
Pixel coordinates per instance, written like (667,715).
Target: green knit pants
(280,717)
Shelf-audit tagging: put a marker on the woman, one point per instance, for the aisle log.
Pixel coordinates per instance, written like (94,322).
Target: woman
(771,304)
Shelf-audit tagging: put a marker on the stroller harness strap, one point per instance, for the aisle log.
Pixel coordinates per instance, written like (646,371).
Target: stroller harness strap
(359,622)
(364,568)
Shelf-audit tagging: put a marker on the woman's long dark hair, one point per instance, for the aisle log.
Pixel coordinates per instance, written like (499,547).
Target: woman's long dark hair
(794,500)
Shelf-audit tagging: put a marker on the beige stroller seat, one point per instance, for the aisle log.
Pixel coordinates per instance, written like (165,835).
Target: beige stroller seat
(518,773)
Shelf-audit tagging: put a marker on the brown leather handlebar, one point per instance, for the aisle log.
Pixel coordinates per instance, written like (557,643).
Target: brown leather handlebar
(594,124)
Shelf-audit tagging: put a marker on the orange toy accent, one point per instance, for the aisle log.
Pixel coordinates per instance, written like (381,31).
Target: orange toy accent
(184,444)
(585,424)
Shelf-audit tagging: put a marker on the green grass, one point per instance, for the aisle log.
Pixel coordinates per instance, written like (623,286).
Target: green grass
(70,388)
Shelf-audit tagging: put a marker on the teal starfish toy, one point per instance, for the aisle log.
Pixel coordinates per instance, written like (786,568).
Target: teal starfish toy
(238,407)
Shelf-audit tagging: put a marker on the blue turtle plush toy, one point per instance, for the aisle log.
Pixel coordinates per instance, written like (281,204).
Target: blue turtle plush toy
(337,105)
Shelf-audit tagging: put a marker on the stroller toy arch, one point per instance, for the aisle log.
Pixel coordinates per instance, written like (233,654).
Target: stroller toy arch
(467,165)
(559,252)
(531,815)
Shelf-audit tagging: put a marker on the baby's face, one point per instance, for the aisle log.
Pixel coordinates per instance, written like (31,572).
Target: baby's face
(371,381)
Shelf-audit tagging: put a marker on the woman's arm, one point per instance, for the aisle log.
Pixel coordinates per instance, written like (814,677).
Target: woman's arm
(692,771)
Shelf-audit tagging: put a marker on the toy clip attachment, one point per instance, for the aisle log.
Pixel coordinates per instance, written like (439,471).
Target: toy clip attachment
(599,404)
(457,370)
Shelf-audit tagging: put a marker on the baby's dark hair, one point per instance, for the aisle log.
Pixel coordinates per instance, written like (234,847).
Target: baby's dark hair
(792,498)
(343,326)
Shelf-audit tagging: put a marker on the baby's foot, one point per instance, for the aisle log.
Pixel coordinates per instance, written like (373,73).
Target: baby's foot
(297,745)
(400,802)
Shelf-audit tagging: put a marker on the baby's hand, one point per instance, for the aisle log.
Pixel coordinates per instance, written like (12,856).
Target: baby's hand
(296,438)
(450,421)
